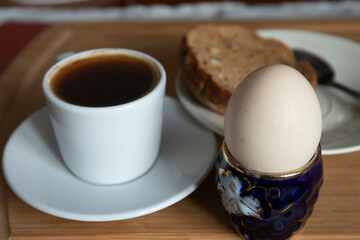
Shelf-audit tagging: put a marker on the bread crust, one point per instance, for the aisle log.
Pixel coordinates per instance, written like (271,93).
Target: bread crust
(216,58)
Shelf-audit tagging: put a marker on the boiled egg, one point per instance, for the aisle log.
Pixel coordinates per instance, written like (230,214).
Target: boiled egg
(273,120)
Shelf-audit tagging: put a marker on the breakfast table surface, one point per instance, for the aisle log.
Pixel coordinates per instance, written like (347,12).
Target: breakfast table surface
(198,216)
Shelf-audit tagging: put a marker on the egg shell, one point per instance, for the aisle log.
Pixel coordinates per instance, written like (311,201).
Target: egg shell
(273,120)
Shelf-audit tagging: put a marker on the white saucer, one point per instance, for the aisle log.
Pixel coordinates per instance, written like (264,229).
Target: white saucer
(35,172)
(341,113)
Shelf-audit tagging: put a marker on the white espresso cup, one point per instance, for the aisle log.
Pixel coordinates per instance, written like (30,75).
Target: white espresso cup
(106,144)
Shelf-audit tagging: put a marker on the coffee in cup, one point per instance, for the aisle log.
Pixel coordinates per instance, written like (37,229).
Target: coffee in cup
(103,81)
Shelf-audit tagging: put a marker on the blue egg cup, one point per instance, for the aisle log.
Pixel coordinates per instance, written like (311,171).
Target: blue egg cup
(265,205)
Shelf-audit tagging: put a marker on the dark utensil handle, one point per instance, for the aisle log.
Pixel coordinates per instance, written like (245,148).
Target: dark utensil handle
(350,91)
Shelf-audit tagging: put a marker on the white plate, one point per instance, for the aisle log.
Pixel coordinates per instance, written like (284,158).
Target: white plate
(341,113)
(35,172)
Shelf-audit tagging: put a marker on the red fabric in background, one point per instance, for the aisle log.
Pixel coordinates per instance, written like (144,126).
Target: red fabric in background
(13,38)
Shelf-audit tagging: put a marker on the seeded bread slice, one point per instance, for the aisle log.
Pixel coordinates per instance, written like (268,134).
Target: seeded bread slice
(216,58)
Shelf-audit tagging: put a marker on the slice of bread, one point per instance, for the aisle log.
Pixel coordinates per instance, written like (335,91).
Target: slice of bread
(216,58)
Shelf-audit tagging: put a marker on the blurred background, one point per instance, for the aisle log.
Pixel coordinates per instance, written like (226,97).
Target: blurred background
(110,10)
(105,3)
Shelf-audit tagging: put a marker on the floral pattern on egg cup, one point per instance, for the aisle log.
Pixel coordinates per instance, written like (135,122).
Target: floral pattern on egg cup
(264,205)
(235,198)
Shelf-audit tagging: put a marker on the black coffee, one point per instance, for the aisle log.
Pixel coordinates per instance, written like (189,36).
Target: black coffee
(104,81)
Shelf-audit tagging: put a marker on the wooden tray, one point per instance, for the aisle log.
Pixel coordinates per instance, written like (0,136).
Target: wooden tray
(200,215)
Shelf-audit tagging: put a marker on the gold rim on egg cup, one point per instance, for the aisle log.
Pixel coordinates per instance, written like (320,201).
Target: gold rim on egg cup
(268,175)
